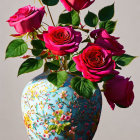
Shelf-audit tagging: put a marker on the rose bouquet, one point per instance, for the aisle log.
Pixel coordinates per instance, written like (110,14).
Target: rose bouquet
(57,47)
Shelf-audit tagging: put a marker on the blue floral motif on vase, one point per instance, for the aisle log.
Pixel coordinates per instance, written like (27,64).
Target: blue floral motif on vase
(52,113)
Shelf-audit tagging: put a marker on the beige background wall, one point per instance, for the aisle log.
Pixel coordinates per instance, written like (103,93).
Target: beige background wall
(121,124)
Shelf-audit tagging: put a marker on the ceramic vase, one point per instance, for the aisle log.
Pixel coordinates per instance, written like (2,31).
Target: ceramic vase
(52,113)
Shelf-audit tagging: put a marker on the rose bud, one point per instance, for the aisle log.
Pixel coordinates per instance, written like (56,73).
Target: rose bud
(95,62)
(109,42)
(62,40)
(27,19)
(76,4)
(119,91)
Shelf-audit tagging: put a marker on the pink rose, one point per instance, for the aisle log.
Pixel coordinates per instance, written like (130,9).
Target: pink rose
(62,40)
(119,91)
(95,62)
(109,42)
(76,4)
(27,19)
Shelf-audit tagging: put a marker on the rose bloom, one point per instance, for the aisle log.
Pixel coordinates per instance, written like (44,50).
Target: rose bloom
(76,4)
(119,91)
(27,19)
(62,40)
(95,62)
(109,42)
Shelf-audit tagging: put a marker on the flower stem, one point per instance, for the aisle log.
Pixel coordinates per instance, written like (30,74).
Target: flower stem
(102,90)
(84,30)
(77,27)
(45,23)
(50,15)
(45,68)
(65,63)
(73,74)
(42,5)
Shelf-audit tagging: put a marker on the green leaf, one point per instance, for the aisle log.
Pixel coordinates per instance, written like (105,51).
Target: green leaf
(75,18)
(70,18)
(91,19)
(30,65)
(69,56)
(44,56)
(16,48)
(58,78)
(72,66)
(108,77)
(108,25)
(38,47)
(124,59)
(106,13)
(50,2)
(115,58)
(38,44)
(83,86)
(65,18)
(54,65)
(77,73)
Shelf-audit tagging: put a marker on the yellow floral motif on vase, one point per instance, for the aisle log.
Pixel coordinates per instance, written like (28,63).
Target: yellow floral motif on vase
(27,121)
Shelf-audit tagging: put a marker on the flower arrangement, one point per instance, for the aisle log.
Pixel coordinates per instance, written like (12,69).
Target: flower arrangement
(57,47)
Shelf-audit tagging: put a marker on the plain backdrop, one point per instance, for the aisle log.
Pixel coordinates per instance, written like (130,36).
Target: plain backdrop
(120,124)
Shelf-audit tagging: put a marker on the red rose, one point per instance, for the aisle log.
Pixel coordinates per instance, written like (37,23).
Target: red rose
(119,91)
(95,62)
(76,4)
(27,19)
(107,41)
(62,40)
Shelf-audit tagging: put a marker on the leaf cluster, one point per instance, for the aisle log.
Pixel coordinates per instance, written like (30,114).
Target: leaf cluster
(62,66)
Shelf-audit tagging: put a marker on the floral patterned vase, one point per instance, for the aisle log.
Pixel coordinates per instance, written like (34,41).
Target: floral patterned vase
(52,113)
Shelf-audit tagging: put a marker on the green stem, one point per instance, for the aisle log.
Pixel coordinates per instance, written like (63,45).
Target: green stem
(102,90)
(50,15)
(73,74)
(65,62)
(85,30)
(45,23)
(45,67)
(42,5)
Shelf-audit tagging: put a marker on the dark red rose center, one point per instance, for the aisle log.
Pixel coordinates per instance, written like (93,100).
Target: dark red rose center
(60,36)
(95,57)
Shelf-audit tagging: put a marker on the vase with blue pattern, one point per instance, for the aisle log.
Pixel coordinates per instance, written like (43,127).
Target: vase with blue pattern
(52,113)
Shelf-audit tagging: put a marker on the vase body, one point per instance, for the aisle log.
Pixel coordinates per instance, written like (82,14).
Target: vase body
(52,113)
